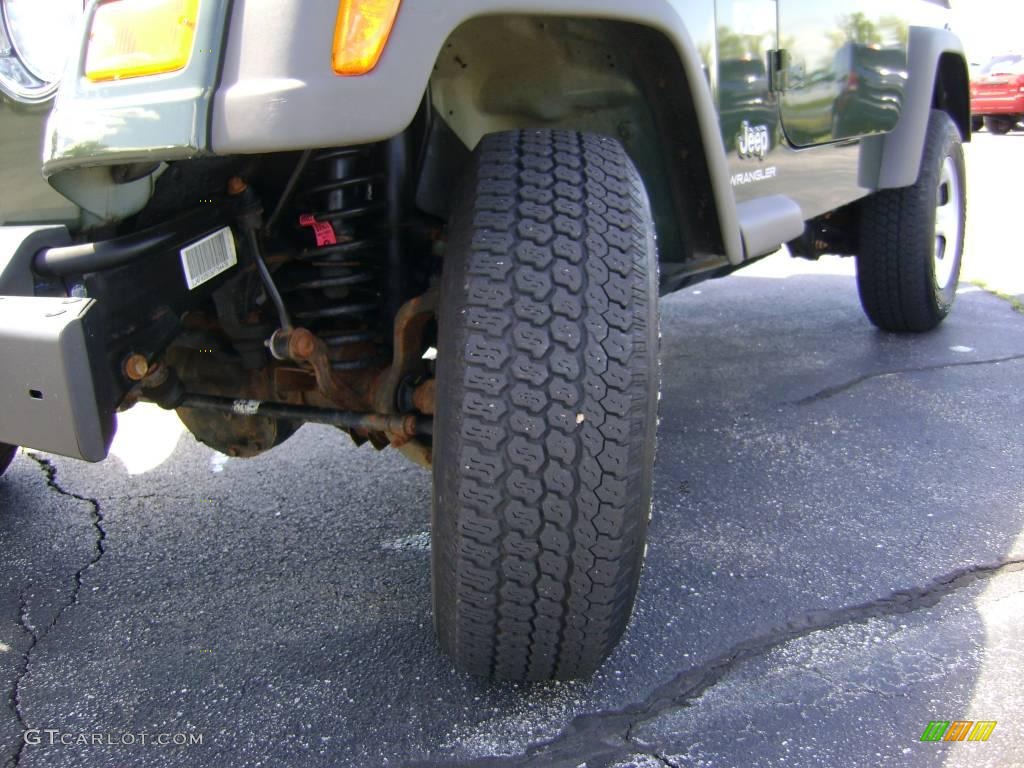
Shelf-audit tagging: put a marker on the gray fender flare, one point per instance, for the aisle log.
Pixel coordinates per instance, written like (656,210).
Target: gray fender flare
(277,90)
(893,160)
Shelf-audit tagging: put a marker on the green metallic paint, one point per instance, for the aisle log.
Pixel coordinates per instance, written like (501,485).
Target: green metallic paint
(845,70)
(841,76)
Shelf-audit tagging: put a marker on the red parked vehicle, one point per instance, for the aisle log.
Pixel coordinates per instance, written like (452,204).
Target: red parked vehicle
(997,94)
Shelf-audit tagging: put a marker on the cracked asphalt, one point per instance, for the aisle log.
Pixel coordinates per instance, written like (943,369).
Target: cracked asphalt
(836,558)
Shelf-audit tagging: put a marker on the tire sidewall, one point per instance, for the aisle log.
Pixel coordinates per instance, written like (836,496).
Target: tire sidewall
(949,147)
(7,454)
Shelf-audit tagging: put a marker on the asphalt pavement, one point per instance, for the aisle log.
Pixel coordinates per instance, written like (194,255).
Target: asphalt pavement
(836,558)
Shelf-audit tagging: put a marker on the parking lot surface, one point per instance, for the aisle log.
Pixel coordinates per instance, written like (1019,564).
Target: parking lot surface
(836,558)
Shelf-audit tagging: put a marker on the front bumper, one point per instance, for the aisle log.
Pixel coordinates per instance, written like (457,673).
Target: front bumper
(71,317)
(50,393)
(51,396)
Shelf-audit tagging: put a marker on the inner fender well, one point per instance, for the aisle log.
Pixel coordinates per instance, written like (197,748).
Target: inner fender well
(615,78)
(952,91)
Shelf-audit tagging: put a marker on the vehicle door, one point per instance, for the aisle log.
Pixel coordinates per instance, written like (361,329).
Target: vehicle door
(748,110)
(842,68)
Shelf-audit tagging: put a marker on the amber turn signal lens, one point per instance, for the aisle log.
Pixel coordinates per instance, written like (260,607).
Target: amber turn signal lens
(135,38)
(361,34)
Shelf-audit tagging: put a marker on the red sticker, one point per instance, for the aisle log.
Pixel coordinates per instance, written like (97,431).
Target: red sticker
(323,230)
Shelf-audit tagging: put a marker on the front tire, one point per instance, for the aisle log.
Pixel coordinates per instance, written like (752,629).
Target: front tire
(912,239)
(546,408)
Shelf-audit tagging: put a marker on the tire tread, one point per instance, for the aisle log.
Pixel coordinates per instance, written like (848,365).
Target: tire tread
(545,434)
(894,272)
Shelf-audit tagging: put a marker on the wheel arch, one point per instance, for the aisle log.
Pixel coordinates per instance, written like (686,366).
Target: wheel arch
(937,79)
(635,82)
(952,91)
(278,95)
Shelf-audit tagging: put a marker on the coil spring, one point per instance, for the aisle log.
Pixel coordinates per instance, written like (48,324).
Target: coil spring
(340,283)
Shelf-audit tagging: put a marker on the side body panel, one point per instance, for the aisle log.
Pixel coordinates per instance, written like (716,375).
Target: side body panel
(827,151)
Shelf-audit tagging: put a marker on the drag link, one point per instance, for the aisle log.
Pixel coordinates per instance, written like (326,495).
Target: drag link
(401,427)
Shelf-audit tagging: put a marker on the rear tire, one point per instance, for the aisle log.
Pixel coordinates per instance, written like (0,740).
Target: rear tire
(912,239)
(977,123)
(546,408)
(7,453)
(1000,125)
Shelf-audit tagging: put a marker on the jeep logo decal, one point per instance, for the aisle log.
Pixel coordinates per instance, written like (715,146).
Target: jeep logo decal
(753,141)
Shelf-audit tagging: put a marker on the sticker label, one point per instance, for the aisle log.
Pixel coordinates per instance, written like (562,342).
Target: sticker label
(322,229)
(204,260)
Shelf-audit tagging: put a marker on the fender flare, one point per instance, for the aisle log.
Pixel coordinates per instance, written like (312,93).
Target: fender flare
(278,92)
(893,160)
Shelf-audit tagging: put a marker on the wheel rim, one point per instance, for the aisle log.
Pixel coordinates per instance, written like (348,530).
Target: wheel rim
(947,224)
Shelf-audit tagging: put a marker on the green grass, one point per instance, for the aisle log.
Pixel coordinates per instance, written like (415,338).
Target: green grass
(1014,301)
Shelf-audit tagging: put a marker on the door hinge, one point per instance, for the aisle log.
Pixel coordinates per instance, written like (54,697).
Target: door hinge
(778,70)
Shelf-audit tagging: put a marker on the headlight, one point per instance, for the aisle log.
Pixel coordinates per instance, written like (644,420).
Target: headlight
(36,38)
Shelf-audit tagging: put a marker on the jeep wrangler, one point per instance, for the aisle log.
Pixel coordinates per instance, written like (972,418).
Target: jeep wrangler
(444,227)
